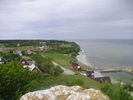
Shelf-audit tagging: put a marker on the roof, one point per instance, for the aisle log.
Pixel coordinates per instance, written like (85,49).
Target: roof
(97,74)
(17,52)
(1,59)
(2,48)
(41,47)
(90,71)
(28,60)
(31,67)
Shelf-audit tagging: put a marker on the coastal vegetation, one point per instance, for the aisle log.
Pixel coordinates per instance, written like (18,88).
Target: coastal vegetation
(15,80)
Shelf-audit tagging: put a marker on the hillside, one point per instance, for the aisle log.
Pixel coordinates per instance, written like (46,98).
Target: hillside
(16,80)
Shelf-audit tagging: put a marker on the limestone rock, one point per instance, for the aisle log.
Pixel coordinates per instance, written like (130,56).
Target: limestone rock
(65,93)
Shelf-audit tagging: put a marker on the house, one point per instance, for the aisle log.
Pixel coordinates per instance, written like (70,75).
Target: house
(28,52)
(89,73)
(27,61)
(41,48)
(75,66)
(2,61)
(33,68)
(30,64)
(96,75)
(2,47)
(19,52)
(24,62)
(44,44)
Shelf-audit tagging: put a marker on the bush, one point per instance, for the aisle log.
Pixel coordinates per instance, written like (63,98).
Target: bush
(8,57)
(43,63)
(115,92)
(14,80)
(56,70)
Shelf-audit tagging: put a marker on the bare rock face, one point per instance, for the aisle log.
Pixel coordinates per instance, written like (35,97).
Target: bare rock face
(65,93)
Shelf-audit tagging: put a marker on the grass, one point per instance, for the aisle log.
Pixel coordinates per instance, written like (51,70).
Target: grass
(21,48)
(86,81)
(62,59)
(66,45)
(77,79)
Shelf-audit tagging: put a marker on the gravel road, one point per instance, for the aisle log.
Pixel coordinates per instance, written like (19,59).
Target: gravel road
(66,71)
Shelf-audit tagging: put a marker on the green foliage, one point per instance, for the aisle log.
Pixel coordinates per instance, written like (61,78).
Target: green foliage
(13,43)
(45,65)
(56,70)
(128,86)
(8,57)
(14,80)
(77,82)
(65,47)
(115,92)
(73,54)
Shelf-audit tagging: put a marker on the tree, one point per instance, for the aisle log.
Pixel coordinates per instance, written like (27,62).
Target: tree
(8,57)
(44,63)
(14,80)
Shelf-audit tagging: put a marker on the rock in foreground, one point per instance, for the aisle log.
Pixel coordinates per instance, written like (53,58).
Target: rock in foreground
(65,93)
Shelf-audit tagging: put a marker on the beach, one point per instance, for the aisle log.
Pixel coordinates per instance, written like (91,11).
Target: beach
(82,58)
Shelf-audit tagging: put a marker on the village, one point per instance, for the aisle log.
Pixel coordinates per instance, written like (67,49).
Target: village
(29,63)
(36,65)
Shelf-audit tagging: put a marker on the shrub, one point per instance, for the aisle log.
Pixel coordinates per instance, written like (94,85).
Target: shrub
(56,70)
(14,80)
(115,92)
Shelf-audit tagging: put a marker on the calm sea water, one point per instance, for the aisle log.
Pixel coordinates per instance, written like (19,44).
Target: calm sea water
(109,54)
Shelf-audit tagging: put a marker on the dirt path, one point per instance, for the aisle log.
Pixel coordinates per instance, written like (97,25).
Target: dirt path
(66,71)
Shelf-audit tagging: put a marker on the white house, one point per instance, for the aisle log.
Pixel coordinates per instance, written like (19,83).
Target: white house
(32,67)
(19,52)
(1,60)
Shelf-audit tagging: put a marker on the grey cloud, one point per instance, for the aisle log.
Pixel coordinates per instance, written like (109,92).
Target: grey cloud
(66,19)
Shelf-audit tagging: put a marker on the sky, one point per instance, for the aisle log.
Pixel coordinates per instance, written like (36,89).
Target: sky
(66,19)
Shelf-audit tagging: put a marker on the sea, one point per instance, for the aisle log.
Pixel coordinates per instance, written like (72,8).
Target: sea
(110,53)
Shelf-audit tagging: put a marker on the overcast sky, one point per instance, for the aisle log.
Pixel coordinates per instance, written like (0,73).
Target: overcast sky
(66,19)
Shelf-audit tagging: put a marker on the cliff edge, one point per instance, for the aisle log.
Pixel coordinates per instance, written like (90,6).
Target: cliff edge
(65,93)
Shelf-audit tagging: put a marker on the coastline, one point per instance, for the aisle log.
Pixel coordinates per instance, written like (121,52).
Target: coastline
(124,70)
(82,58)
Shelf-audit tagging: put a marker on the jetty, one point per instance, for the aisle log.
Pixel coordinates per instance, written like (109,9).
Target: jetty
(109,70)
(130,70)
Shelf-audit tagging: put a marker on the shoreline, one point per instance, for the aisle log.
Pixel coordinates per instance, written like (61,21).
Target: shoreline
(82,58)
